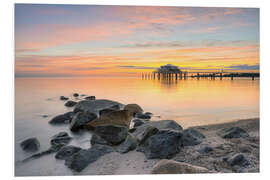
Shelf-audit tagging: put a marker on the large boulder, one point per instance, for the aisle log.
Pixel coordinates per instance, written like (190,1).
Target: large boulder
(62,118)
(135,108)
(106,111)
(163,144)
(129,144)
(237,160)
(145,132)
(165,124)
(112,133)
(119,117)
(96,139)
(191,137)
(70,103)
(233,132)
(81,159)
(173,167)
(94,106)
(66,152)
(80,119)
(30,145)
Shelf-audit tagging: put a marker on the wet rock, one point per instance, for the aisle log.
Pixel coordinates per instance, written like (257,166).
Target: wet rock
(137,122)
(237,160)
(90,98)
(70,103)
(96,139)
(66,152)
(78,161)
(134,108)
(94,106)
(30,145)
(234,132)
(149,113)
(62,118)
(191,137)
(205,149)
(173,167)
(163,144)
(129,144)
(165,124)
(60,139)
(80,119)
(75,94)
(142,116)
(106,111)
(63,98)
(142,134)
(112,133)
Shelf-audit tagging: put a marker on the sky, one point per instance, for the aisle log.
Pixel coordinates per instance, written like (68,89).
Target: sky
(90,40)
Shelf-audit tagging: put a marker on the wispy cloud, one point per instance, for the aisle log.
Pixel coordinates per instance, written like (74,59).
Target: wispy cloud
(245,67)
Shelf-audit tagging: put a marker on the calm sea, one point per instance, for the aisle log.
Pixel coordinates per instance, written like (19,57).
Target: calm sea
(189,102)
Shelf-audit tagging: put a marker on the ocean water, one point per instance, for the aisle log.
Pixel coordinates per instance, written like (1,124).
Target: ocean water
(190,102)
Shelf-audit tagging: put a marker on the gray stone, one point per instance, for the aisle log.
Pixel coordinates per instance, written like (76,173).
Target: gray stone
(66,151)
(62,118)
(138,122)
(80,119)
(106,111)
(163,144)
(78,161)
(191,137)
(63,98)
(173,167)
(165,124)
(60,139)
(143,133)
(128,145)
(96,139)
(70,103)
(75,94)
(90,98)
(112,133)
(233,132)
(30,145)
(205,149)
(237,160)
(142,116)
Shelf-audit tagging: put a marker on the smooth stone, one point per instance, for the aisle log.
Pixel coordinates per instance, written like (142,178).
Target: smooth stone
(137,122)
(106,111)
(63,98)
(80,119)
(143,116)
(70,103)
(165,124)
(142,134)
(75,94)
(90,98)
(60,139)
(30,145)
(62,118)
(96,139)
(173,167)
(112,133)
(80,160)
(234,132)
(163,144)
(148,113)
(192,137)
(66,151)
(129,144)
(134,108)
(237,160)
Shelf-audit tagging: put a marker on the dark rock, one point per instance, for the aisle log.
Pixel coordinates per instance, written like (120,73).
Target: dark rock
(78,161)
(70,103)
(30,145)
(62,119)
(80,119)
(148,113)
(132,130)
(142,116)
(106,111)
(44,116)
(234,132)
(237,160)
(112,133)
(96,139)
(163,144)
(116,107)
(135,108)
(82,95)
(75,94)
(138,122)
(165,124)
(63,98)
(143,133)
(128,145)
(66,151)
(205,149)
(60,139)
(191,137)
(94,106)
(90,98)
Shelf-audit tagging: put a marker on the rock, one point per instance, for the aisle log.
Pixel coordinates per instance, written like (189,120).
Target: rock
(63,98)
(148,113)
(137,122)
(78,161)
(173,167)
(133,108)
(128,145)
(112,133)
(234,132)
(142,134)
(163,144)
(191,137)
(66,151)
(116,107)
(30,145)
(62,119)
(106,111)
(205,149)
(70,103)
(119,118)
(142,116)
(94,106)
(237,159)
(80,119)
(90,98)
(165,124)
(96,139)
(60,139)
(75,94)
